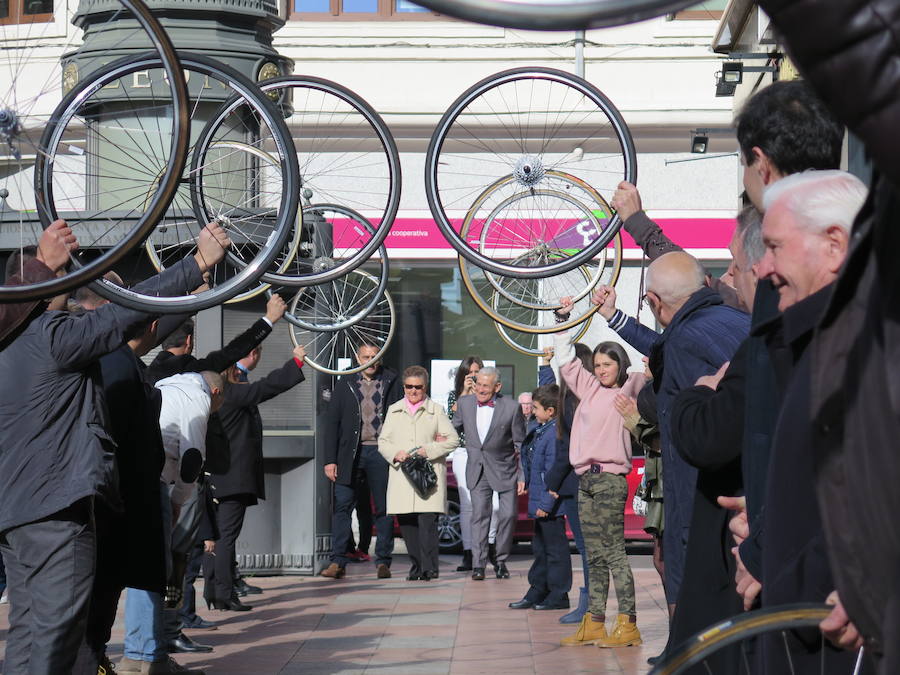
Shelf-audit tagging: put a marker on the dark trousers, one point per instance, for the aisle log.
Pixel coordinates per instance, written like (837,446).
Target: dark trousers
(2,576)
(230,517)
(550,576)
(570,508)
(108,586)
(185,532)
(364,513)
(188,612)
(421,536)
(50,571)
(375,468)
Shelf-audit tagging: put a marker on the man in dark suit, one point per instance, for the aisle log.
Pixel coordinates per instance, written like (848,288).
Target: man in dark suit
(243,482)
(495,428)
(352,425)
(56,455)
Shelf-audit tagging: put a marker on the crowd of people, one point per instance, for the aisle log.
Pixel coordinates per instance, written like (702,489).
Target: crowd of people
(767,406)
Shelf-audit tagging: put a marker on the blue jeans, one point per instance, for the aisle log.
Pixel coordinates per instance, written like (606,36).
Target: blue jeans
(569,507)
(145,639)
(376,470)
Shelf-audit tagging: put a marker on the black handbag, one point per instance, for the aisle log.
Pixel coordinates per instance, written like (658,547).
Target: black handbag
(421,474)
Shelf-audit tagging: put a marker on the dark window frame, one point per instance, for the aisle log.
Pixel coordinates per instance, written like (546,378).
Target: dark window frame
(17,16)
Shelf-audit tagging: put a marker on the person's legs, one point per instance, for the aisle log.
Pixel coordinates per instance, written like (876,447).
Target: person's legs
(613,493)
(51,563)
(559,562)
(570,507)
(481,519)
(409,528)
(591,515)
(537,573)
(364,514)
(188,611)
(230,518)
(377,472)
(495,518)
(460,459)
(344,501)
(428,542)
(144,626)
(506,523)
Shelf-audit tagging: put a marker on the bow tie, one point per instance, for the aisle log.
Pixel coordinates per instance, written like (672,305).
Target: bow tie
(489,404)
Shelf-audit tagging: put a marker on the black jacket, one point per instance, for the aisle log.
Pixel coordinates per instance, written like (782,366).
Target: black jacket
(849,54)
(244,429)
(167,364)
(134,423)
(343,424)
(55,447)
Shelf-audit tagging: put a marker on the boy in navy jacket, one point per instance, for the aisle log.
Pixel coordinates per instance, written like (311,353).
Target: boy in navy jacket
(550,576)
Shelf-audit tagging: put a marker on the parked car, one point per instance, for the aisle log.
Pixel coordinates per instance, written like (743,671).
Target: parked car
(450,535)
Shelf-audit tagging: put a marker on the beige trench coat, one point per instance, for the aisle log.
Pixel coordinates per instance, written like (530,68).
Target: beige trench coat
(402,431)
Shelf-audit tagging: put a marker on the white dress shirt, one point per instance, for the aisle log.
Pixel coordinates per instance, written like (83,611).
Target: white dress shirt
(183,418)
(483,416)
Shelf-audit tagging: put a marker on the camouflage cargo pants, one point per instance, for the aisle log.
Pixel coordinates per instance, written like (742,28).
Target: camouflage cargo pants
(601,508)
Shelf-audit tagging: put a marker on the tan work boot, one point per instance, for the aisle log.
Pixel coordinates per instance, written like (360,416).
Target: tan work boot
(589,631)
(383,572)
(625,634)
(333,571)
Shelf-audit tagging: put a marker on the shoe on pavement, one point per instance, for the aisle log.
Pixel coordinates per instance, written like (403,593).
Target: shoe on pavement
(383,572)
(589,632)
(625,634)
(166,667)
(333,571)
(501,571)
(466,563)
(559,604)
(199,623)
(183,644)
(243,588)
(521,604)
(106,667)
(478,574)
(4,598)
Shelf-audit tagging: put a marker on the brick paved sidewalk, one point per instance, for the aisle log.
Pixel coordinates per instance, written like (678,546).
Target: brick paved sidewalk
(360,624)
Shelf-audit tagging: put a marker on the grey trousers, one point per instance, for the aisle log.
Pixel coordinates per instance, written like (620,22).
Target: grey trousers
(482,496)
(50,573)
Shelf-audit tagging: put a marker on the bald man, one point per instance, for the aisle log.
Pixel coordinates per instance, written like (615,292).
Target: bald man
(701,334)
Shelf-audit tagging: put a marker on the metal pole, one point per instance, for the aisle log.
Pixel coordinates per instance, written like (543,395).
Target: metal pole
(579,53)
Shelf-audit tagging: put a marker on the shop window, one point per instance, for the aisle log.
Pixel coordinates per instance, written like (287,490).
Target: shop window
(25,11)
(360,10)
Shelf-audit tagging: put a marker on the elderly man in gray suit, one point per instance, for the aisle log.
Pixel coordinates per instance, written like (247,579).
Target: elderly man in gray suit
(494,429)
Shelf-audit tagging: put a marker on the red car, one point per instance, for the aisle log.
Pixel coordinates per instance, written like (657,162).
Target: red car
(449,528)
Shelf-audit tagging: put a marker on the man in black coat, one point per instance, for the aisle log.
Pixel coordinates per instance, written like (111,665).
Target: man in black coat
(243,482)
(353,422)
(56,455)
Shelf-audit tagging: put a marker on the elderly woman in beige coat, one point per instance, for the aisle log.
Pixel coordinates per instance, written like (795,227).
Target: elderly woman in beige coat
(415,423)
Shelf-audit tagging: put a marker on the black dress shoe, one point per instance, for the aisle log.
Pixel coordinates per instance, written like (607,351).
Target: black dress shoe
(478,574)
(231,605)
(502,572)
(183,644)
(243,588)
(466,564)
(198,623)
(552,605)
(653,660)
(521,604)
(414,575)
(429,575)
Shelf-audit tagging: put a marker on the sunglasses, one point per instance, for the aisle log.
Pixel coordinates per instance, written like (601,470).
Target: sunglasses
(417,387)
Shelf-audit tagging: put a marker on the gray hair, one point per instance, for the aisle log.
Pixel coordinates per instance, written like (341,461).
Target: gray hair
(819,199)
(750,232)
(490,370)
(675,276)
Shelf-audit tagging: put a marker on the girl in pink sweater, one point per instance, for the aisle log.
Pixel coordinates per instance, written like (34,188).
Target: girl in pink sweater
(600,452)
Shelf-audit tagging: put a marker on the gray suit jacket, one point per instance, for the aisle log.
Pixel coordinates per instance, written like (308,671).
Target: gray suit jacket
(497,458)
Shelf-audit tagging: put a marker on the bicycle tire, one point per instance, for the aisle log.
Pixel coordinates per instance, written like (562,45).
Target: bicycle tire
(559,15)
(243,105)
(45,201)
(356,120)
(540,149)
(741,627)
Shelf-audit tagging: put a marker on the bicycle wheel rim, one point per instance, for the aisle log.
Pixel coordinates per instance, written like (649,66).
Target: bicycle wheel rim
(527,148)
(45,203)
(262,229)
(735,629)
(561,15)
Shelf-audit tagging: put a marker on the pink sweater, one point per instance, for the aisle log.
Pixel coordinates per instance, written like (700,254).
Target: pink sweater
(598,435)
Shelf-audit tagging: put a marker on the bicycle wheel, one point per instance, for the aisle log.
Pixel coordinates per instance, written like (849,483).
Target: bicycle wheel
(348,159)
(243,174)
(162,255)
(334,352)
(532,344)
(555,14)
(520,130)
(109,203)
(776,621)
